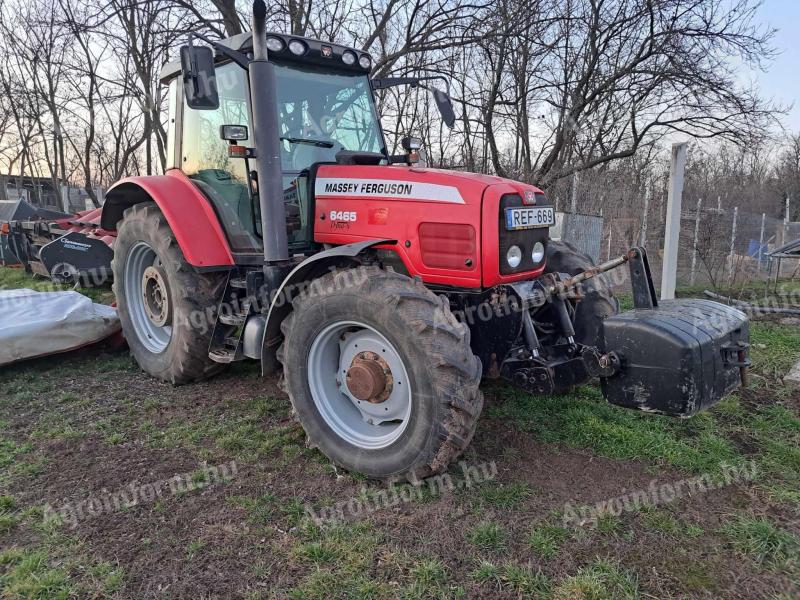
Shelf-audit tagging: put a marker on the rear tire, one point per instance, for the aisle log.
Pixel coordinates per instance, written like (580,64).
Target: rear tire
(598,302)
(169,329)
(426,349)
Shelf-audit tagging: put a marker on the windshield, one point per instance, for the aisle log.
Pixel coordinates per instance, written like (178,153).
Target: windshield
(321,113)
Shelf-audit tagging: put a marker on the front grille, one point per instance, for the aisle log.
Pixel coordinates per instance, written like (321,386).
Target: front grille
(524,238)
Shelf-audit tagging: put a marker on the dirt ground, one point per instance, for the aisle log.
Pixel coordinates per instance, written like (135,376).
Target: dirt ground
(512,520)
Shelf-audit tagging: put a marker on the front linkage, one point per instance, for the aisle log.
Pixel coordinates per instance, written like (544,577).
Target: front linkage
(675,358)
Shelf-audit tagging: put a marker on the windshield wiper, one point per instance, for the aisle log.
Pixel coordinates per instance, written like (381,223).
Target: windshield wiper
(310,142)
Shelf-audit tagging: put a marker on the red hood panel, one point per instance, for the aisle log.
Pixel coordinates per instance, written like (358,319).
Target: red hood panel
(415,184)
(434,217)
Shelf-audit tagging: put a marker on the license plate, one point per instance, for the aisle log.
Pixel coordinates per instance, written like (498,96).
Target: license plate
(530,217)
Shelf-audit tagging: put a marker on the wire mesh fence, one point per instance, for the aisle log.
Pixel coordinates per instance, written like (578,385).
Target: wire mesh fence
(719,247)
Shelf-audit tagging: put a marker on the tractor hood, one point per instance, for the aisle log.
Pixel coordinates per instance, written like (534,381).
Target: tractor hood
(446,224)
(419,184)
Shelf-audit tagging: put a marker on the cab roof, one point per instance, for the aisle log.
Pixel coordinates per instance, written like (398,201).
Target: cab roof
(316,52)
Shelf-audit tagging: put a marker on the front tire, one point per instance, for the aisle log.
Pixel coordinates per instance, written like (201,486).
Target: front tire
(380,374)
(165,306)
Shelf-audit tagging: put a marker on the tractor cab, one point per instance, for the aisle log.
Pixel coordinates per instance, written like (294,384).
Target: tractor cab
(325,106)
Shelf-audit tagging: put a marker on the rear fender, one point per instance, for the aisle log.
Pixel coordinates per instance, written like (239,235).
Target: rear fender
(189,214)
(309,269)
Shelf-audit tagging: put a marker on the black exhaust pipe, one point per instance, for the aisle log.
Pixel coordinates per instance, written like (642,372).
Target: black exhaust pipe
(264,101)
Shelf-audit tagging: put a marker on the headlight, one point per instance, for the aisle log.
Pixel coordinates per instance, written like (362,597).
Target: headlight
(537,254)
(514,257)
(297,47)
(349,58)
(274,44)
(365,61)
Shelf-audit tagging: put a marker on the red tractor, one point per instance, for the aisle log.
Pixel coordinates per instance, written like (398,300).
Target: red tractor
(285,232)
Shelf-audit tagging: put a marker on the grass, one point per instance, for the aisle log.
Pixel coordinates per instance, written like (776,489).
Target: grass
(239,435)
(17,278)
(584,420)
(784,494)
(523,580)
(763,541)
(776,348)
(490,537)
(195,548)
(54,566)
(507,496)
(343,555)
(317,552)
(260,510)
(701,444)
(602,580)
(27,574)
(665,523)
(367,558)
(546,540)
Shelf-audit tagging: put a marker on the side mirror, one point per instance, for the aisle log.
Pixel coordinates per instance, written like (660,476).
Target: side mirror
(445,106)
(199,78)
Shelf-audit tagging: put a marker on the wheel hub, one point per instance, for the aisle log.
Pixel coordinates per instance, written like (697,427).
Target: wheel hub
(155,296)
(359,384)
(369,378)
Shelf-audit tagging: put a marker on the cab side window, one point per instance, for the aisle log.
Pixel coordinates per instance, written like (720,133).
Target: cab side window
(205,157)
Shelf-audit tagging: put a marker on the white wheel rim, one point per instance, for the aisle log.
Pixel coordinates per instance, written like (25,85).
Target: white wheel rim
(329,358)
(153,337)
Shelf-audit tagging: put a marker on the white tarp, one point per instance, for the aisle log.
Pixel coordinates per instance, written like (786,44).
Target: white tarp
(40,323)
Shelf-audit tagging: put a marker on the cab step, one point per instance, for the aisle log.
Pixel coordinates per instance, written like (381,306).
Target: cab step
(233,320)
(223,355)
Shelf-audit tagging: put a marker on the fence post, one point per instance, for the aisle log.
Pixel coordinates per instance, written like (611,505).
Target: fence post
(672,230)
(573,208)
(643,232)
(694,243)
(761,239)
(786,223)
(733,242)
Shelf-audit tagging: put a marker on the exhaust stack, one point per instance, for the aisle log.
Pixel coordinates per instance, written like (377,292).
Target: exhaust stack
(267,142)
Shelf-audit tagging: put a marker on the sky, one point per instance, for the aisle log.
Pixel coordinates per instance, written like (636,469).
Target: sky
(782,81)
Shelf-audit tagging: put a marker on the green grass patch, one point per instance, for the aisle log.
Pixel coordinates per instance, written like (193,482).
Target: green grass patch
(522,580)
(344,555)
(602,580)
(727,434)
(509,495)
(243,436)
(761,540)
(583,419)
(11,279)
(194,548)
(27,574)
(490,537)
(428,579)
(10,451)
(260,510)
(330,585)
(775,349)
(546,540)
(783,494)
(663,522)
(56,567)
(608,523)
(318,552)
